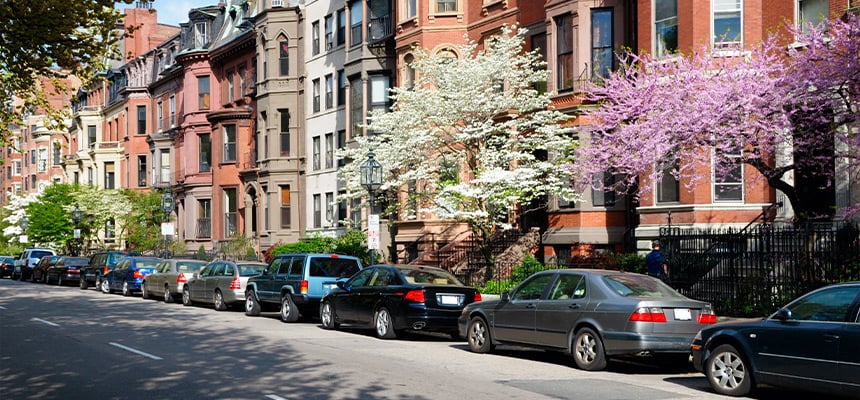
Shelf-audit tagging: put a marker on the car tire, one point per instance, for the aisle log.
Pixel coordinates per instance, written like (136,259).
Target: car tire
(105,286)
(126,290)
(289,312)
(168,297)
(478,336)
(60,281)
(144,294)
(218,300)
(83,284)
(383,324)
(327,316)
(727,372)
(587,350)
(252,306)
(186,297)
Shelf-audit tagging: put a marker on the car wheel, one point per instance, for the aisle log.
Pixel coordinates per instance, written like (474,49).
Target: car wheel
(218,299)
(727,371)
(384,325)
(143,292)
(105,285)
(289,313)
(32,278)
(327,316)
(252,306)
(126,290)
(186,297)
(83,284)
(588,350)
(60,281)
(478,336)
(168,298)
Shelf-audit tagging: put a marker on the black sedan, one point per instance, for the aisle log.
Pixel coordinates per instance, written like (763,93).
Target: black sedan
(66,269)
(813,344)
(590,314)
(395,298)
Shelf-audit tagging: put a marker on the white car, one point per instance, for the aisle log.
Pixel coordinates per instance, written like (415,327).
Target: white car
(28,259)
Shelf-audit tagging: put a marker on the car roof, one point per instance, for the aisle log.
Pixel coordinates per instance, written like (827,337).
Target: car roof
(332,255)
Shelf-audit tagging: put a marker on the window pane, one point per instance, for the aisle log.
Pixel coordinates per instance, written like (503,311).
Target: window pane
(205,143)
(601,42)
(203,92)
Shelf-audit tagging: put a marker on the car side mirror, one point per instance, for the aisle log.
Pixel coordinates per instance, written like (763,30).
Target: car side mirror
(341,285)
(505,296)
(783,314)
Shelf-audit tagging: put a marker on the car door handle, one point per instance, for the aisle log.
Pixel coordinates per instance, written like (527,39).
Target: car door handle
(573,306)
(829,337)
(531,305)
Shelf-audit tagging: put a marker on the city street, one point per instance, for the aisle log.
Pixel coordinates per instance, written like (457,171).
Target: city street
(64,343)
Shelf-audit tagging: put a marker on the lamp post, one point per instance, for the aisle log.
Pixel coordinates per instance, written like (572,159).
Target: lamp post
(371,178)
(76,218)
(167,205)
(24,224)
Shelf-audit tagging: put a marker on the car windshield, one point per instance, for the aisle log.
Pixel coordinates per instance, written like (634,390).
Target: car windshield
(639,286)
(40,254)
(251,269)
(429,277)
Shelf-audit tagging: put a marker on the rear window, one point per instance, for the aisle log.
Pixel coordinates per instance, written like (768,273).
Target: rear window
(251,270)
(147,263)
(189,266)
(333,267)
(639,286)
(76,261)
(40,253)
(429,277)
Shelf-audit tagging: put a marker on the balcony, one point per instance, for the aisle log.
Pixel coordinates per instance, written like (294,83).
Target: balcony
(204,228)
(379,29)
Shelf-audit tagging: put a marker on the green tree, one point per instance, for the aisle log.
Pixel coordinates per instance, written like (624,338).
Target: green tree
(50,216)
(142,224)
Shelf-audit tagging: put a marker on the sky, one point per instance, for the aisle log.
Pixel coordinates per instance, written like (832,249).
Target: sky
(174,12)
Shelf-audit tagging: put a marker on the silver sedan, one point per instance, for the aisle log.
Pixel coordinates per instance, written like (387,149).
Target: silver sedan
(590,314)
(221,282)
(169,278)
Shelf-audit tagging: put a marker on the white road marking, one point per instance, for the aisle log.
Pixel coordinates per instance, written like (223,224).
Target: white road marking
(135,351)
(275,397)
(44,322)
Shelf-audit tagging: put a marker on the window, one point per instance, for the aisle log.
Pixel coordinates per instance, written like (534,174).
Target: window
(229,143)
(141,171)
(356,110)
(204,218)
(606,196)
(564,46)
(668,188)
(446,6)
(240,75)
(203,95)
(91,135)
(285,132)
(727,24)
(341,26)
(230,86)
(230,212)
(379,85)
(728,178)
(141,120)
(355,212)
(315,37)
(341,88)
(355,23)
(16,170)
(533,288)
(201,37)
(285,207)
(110,229)
(57,148)
(411,9)
(341,144)
(43,159)
(110,173)
(172,101)
(329,150)
(812,13)
(329,209)
(284,59)
(329,91)
(601,42)
(665,27)
(341,211)
(316,150)
(204,143)
(165,166)
(317,211)
(160,112)
(316,98)
(408,72)
(329,32)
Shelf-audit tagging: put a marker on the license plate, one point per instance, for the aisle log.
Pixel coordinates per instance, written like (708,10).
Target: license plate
(449,300)
(683,314)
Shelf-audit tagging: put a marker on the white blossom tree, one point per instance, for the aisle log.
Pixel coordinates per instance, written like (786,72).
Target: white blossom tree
(471,139)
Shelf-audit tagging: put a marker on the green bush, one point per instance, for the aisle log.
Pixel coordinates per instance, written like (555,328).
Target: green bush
(630,262)
(353,242)
(527,268)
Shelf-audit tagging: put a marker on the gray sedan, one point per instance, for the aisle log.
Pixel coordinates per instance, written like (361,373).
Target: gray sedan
(169,278)
(221,283)
(590,314)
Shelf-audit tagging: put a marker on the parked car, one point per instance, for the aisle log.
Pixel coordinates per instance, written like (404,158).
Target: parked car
(297,282)
(7,265)
(590,314)
(813,343)
(221,283)
(38,274)
(99,264)
(395,298)
(66,269)
(169,277)
(127,275)
(28,259)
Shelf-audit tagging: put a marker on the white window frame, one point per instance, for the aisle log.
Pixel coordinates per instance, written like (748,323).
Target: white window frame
(714,184)
(717,44)
(660,52)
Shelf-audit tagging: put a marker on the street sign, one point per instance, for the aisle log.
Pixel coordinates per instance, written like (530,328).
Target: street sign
(167,228)
(77,233)
(373,232)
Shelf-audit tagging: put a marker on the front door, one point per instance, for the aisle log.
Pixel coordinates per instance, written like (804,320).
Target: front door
(514,321)
(557,315)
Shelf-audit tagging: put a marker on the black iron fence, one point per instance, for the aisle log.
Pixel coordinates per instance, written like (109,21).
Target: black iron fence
(754,271)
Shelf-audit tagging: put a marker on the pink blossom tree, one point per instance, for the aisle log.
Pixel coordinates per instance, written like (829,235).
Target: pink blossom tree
(791,112)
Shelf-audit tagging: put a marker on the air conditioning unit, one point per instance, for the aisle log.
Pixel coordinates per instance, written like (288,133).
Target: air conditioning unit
(277,3)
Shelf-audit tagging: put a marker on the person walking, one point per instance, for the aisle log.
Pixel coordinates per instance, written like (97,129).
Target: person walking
(655,262)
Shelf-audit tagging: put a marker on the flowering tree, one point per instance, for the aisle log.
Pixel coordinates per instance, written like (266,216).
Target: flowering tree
(789,112)
(471,139)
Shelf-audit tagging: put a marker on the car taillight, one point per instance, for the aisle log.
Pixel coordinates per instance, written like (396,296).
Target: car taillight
(105,271)
(707,316)
(304,287)
(648,314)
(415,295)
(181,278)
(138,274)
(477,297)
(235,284)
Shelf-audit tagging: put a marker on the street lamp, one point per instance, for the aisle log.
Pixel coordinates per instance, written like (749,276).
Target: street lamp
(24,224)
(167,205)
(76,218)
(371,178)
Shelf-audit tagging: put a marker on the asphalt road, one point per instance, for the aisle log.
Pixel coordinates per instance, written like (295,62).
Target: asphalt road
(64,343)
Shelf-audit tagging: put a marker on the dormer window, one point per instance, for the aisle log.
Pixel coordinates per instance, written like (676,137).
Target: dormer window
(201,35)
